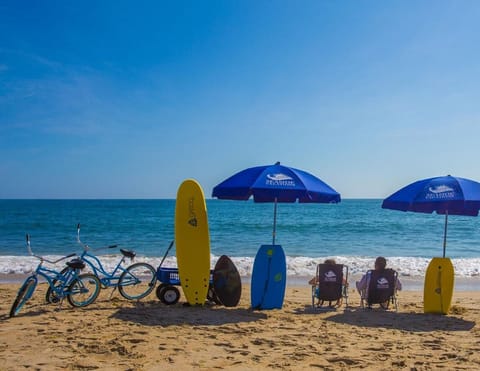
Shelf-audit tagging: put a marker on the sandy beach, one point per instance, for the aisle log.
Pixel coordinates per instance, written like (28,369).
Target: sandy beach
(115,334)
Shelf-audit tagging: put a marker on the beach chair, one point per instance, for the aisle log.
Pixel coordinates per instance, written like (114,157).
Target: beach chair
(381,289)
(330,286)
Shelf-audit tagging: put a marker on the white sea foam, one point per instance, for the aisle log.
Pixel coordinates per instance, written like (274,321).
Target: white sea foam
(297,267)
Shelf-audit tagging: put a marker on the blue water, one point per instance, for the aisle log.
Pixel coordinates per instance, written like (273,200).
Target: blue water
(350,228)
(353,232)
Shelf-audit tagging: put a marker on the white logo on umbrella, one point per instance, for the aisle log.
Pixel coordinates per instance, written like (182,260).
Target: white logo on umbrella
(440,189)
(279,179)
(440,192)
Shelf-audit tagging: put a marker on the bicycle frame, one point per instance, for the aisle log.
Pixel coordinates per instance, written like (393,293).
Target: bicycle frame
(79,289)
(134,281)
(107,279)
(50,275)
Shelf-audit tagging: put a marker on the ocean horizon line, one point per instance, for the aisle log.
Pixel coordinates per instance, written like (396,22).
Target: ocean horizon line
(155,198)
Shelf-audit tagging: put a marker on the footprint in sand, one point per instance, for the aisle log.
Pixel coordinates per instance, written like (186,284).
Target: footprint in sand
(432,344)
(344,360)
(136,341)
(219,344)
(242,352)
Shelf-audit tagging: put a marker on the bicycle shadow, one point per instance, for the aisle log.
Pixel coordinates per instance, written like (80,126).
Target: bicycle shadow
(412,321)
(156,314)
(26,313)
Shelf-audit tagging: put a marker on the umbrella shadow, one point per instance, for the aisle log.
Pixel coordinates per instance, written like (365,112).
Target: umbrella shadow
(414,322)
(155,314)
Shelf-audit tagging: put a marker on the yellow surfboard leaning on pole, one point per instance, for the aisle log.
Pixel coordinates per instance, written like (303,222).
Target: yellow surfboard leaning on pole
(438,289)
(445,195)
(192,241)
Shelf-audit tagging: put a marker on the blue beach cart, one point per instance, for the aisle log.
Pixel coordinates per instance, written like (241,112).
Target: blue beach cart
(167,292)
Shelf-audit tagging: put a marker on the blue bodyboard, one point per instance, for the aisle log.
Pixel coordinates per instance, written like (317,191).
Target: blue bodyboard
(269,278)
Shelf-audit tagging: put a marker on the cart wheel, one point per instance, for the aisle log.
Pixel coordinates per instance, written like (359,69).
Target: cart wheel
(212,296)
(168,295)
(159,289)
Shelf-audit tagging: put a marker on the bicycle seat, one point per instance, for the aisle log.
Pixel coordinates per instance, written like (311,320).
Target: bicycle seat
(76,264)
(128,253)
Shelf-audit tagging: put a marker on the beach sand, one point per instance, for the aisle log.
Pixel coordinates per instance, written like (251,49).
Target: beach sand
(120,335)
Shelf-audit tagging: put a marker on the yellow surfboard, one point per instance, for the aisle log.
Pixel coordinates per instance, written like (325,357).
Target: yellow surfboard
(192,241)
(438,289)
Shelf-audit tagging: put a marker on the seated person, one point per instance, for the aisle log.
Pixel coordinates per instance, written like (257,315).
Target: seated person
(314,282)
(362,285)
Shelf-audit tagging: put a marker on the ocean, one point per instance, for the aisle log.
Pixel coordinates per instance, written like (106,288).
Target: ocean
(353,232)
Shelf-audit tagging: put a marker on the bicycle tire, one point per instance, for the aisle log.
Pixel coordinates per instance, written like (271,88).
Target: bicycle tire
(50,296)
(137,281)
(83,290)
(24,294)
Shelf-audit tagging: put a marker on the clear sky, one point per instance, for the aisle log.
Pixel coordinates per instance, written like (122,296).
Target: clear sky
(116,99)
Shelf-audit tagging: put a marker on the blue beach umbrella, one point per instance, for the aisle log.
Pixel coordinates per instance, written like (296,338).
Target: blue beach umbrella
(275,183)
(447,195)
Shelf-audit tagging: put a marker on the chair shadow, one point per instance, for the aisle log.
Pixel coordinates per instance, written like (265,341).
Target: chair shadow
(157,314)
(378,318)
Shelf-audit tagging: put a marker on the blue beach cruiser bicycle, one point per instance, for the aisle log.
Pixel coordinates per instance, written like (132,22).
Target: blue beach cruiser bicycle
(79,289)
(133,282)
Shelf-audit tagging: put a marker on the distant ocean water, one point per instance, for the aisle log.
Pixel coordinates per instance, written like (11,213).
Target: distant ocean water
(353,231)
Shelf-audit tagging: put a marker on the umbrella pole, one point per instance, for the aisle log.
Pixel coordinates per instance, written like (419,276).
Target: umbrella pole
(274,221)
(445,233)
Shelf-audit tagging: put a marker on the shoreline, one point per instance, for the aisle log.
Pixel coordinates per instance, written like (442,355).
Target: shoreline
(114,333)
(462,284)
(410,268)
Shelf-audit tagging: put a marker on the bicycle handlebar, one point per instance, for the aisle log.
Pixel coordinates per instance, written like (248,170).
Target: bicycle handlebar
(84,245)
(29,248)
(28,244)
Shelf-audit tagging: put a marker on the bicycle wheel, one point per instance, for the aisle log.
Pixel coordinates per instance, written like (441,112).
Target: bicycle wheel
(137,281)
(24,294)
(83,290)
(51,296)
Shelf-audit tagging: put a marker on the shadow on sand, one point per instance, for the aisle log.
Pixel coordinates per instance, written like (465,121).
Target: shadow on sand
(155,314)
(415,322)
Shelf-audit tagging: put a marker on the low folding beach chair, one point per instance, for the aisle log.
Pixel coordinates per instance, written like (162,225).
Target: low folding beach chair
(330,285)
(381,289)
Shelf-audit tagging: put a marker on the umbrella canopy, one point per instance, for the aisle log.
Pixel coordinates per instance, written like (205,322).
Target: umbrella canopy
(275,183)
(444,195)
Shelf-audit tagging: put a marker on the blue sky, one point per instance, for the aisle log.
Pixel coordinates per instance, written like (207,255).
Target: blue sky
(117,99)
